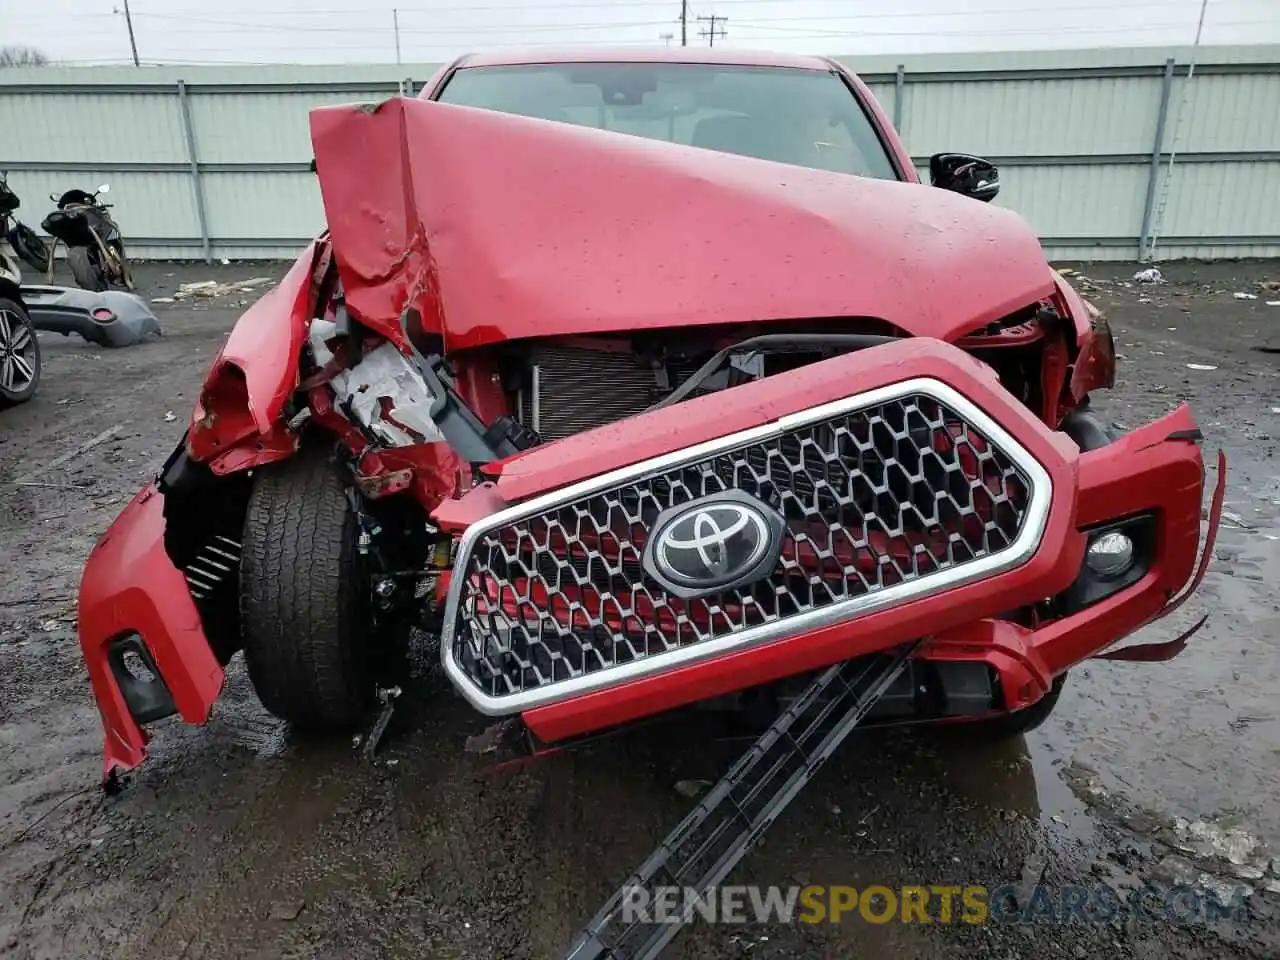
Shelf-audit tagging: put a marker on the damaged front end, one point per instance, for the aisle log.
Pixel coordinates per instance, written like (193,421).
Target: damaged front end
(614,488)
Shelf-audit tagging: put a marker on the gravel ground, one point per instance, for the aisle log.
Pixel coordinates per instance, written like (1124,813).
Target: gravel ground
(238,840)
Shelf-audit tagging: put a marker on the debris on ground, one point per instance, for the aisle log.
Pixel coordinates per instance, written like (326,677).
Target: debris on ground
(387,696)
(1149,275)
(1273,303)
(1241,295)
(492,737)
(1243,722)
(212,288)
(70,455)
(691,788)
(163,300)
(170,416)
(1201,366)
(287,910)
(1208,839)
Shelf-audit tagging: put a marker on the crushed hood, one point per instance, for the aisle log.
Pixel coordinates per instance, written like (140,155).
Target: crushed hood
(497,227)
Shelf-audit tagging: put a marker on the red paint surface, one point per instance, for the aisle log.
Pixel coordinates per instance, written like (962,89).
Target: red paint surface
(130,585)
(1164,477)
(557,233)
(256,370)
(707,417)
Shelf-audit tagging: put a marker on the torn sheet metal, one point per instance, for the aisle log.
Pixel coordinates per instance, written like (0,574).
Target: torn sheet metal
(383,392)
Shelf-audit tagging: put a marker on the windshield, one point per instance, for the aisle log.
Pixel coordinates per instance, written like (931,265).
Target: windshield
(809,118)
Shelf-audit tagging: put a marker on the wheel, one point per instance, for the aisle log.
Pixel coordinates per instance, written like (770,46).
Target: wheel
(1023,721)
(27,245)
(302,596)
(126,275)
(87,269)
(19,354)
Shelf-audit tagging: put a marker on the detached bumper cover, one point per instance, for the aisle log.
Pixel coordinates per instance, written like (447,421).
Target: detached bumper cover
(112,318)
(131,587)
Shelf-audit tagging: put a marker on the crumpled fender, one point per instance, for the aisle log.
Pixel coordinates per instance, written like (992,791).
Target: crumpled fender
(256,370)
(1095,363)
(129,585)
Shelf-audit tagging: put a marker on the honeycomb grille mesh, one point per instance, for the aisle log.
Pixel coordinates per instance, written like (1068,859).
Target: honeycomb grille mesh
(892,493)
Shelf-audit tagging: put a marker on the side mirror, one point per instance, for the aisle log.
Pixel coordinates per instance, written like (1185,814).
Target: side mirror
(972,176)
(105,188)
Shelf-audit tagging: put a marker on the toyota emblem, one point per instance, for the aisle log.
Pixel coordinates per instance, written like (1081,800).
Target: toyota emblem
(714,543)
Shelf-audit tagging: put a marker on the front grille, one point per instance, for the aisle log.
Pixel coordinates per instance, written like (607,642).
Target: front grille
(875,498)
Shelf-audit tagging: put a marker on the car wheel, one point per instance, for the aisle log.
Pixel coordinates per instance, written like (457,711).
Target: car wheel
(87,269)
(302,595)
(19,354)
(27,244)
(1023,721)
(1090,432)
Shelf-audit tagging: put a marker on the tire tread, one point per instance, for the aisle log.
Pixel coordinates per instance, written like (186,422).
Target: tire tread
(298,595)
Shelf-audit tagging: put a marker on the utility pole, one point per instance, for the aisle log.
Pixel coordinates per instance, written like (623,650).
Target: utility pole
(684,23)
(713,31)
(133,44)
(395,20)
(666,38)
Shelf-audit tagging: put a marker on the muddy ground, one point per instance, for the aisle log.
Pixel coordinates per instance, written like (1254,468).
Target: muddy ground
(236,840)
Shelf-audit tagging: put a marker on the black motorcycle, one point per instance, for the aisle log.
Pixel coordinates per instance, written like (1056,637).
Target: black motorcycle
(95,246)
(26,243)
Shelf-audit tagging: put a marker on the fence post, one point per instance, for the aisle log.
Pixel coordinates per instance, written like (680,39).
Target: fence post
(899,90)
(1153,172)
(196,186)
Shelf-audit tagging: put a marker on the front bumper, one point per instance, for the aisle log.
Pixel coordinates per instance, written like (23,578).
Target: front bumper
(967,612)
(132,596)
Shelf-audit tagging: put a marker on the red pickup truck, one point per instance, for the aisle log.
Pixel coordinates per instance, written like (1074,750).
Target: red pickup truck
(643,379)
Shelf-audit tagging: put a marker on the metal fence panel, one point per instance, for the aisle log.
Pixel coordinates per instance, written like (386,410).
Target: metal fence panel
(211,161)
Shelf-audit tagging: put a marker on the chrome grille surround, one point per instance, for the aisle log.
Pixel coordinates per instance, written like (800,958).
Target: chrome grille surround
(596,635)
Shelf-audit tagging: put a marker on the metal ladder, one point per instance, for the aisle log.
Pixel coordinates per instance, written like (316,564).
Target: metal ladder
(734,815)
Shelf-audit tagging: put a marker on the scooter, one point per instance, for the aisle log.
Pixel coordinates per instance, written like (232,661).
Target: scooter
(95,246)
(26,243)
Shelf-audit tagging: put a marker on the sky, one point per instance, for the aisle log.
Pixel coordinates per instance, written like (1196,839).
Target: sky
(364,31)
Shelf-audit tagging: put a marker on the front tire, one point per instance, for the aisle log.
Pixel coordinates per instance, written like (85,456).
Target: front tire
(1024,721)
(19,354)
(87,269)
(306,640)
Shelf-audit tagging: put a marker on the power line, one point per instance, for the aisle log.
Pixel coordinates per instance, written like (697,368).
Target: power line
(429,31)
(712,31)
(800,33)
(133,44)
(600,5)
(375,43)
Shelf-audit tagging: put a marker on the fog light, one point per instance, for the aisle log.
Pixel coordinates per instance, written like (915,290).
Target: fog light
(1110,555)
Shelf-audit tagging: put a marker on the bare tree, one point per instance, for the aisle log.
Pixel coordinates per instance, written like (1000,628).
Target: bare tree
(19,56)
